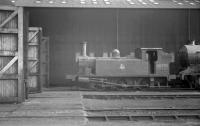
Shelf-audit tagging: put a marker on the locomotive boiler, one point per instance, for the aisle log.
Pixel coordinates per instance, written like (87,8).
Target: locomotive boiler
(143,68)
(189,60)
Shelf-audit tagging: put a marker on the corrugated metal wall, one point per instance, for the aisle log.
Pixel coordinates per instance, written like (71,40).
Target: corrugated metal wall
(149,28)
(164,28)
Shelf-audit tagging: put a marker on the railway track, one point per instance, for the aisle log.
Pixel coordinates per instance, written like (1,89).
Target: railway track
(135,114)
(147,96)
(133,111)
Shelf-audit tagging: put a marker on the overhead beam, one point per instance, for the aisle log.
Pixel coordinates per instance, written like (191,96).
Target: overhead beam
(154,4)
(4,7)
(9,18)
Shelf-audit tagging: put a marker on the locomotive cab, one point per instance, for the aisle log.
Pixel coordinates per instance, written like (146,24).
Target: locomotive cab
(152,58)
(150,55)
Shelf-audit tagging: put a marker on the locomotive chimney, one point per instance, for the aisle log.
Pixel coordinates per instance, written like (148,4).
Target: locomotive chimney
(193,42)
(84,48)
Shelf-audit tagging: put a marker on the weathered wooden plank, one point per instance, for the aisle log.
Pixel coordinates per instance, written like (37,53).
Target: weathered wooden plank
(8,48)
(26,30)
(33,65)
(33,44)
(9,18)
(48,62)
(21,54)
(8,88)
(8,53)
(32,59)
(4,60)
(22,49)
(8,42)
(44,60)
(9,65)
(35,36)
(31,38)
(33,84)
(8,76)
(34,74)
(8,30)
(35,29)
(39,58)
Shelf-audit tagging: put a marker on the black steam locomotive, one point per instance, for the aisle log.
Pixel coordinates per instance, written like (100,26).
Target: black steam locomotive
(144,68)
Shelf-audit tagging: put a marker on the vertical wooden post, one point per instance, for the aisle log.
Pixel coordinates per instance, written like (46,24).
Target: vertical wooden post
(44,61)
(39,58)
(26,26)
(22,51)
(48,62)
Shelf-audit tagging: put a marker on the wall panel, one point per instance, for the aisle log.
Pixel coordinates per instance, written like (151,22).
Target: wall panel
(13,24)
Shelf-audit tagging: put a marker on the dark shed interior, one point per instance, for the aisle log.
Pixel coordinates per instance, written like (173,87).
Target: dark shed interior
(105,29)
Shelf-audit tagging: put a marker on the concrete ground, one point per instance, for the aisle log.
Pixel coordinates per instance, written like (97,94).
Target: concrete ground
(63,108)
(48,108)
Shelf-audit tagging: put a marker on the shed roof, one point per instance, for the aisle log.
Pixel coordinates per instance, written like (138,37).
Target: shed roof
(110,3)
(6,2)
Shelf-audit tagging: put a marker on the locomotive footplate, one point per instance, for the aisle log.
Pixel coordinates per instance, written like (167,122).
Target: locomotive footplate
(148,81)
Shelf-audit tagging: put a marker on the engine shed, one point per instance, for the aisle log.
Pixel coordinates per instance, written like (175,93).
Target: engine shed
(105,25)
(99,62)
(109,24)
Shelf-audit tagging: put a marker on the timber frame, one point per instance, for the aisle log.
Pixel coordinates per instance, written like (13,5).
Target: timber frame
(34,42)
(19,56)
(44,61)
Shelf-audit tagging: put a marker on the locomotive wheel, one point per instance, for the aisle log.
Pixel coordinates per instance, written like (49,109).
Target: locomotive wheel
(191,80)
(197,83)
(144,82)
(94,86)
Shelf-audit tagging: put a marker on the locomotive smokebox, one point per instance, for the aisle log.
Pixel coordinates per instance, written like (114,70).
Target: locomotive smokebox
(189,55)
